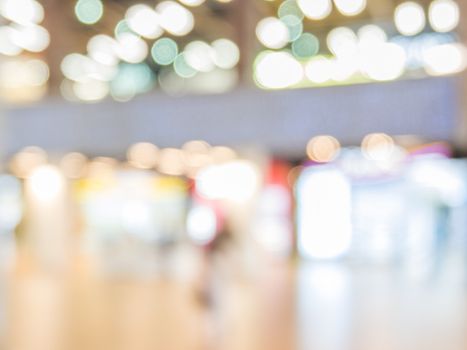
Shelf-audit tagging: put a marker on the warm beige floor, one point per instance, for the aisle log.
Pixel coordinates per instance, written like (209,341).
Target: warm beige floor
(301,306)
(79,310)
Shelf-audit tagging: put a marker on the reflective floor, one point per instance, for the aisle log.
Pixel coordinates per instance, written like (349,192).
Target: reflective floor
(419,304)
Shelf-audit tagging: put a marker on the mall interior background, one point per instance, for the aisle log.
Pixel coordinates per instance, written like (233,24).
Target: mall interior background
(233,174)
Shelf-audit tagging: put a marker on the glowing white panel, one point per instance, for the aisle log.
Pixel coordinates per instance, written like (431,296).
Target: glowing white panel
(323,213)
(237,181)
(137,218)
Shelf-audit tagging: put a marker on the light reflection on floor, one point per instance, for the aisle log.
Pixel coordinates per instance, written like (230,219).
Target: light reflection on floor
(301,305)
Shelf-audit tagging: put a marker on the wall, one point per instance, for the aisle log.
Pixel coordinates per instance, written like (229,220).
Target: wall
(281,121)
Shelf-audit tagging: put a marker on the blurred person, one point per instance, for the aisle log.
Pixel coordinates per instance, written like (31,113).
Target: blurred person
(216,256)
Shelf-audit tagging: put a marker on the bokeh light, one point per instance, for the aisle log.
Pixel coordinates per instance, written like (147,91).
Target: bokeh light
(343,68)
(73,165)
(196,147)
(199,55)
(342,42)
(306,46)
(182,68)
(7,46)
(23,80)
(350,7)
(323,148)
(23,73)
(371,35)
(276,70)
(79,67)
(175,18)
(143,20)
(444,15)
(32,38)
(121,28)
(101,167)
(144,155)
(131,48)
(409,18)
(164,51)
(103,49)
(289,7)
(196,156)
(91,90)
(378,146)
(26,160)
(131,79)
(171,162)
(89,11)
(315,9)
(272,33)
(384,62)
(319,70)
(445,59)
(74,65)
(24,12)
(192,2)
(294,26)
(46,182)
(222,154)
(226,53)
(199,63)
